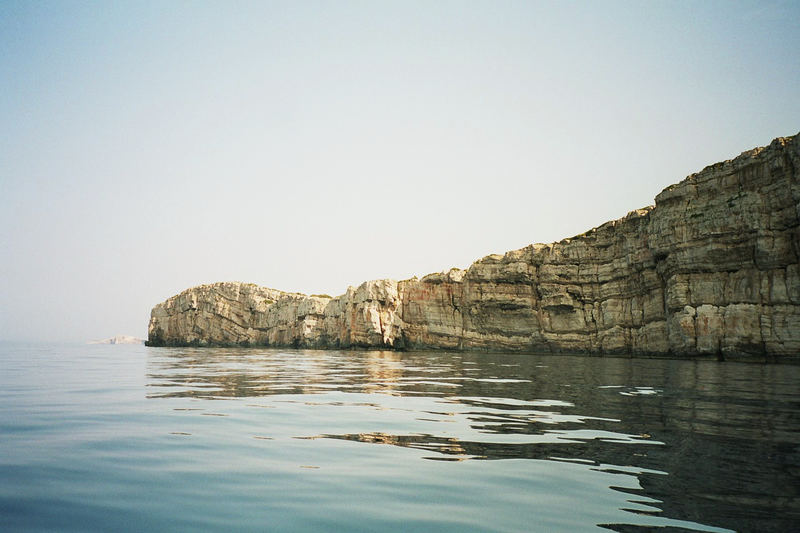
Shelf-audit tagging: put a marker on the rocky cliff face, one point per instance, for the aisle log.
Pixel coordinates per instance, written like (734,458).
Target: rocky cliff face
(712,268)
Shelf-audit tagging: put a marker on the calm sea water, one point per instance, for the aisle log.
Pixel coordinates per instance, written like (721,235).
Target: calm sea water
(129,438)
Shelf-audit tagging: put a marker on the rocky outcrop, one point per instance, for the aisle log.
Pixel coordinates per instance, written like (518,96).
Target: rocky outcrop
(712,268)
(233,313)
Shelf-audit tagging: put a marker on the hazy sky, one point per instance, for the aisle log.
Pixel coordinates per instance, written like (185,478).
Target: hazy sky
(147,147)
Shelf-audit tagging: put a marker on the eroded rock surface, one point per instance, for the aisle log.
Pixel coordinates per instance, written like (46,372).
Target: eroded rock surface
(712,268)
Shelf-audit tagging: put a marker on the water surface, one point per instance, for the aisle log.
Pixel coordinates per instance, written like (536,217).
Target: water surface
(128,438)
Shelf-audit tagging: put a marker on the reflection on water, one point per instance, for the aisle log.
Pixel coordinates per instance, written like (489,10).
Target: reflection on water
(694,445)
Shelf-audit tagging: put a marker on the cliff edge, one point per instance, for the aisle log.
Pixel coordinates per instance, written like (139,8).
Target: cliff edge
(712,268)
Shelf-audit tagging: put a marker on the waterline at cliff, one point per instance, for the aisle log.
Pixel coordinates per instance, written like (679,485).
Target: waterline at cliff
(711,269)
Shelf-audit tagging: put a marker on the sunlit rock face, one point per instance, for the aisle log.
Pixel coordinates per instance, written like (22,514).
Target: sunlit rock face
(233,313)
(712,268)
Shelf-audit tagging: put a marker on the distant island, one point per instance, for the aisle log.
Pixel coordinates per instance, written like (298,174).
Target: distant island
(710,269)
(119,339)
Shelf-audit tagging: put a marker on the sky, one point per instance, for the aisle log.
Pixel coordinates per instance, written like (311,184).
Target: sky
(147,147)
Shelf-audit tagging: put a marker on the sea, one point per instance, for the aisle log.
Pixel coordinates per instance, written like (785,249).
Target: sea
(118,438)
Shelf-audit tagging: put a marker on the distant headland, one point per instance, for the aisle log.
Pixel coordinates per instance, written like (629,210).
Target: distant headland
(119,339)
(710,269)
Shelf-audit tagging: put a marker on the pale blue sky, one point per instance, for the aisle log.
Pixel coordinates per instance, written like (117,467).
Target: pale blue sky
(150,146)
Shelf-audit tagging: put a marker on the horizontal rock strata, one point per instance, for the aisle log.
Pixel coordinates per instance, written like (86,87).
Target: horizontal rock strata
(712,268)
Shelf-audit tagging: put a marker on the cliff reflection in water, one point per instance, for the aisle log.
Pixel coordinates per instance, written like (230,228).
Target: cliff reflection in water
(709,443)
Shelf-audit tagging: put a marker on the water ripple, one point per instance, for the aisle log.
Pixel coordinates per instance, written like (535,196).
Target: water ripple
(359,440)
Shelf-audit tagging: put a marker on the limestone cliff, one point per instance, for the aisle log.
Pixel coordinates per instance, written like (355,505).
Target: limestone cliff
(712,268)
